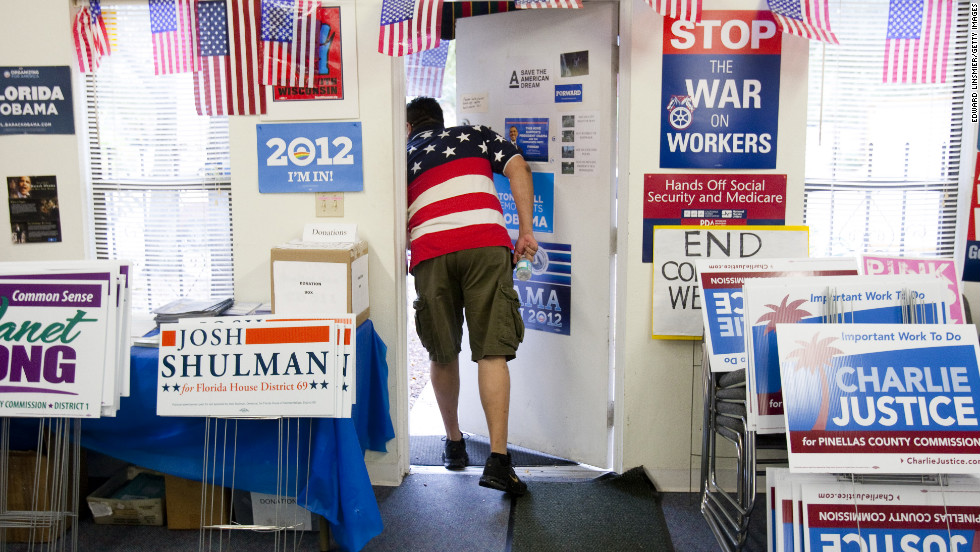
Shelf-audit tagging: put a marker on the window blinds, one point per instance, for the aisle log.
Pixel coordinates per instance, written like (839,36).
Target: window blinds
(882,160)
(160,174)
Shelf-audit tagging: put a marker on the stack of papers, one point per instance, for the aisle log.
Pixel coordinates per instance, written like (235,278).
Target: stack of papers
(186,307)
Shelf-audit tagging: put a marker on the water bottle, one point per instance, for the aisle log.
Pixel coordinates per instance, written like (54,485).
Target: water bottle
(523,270)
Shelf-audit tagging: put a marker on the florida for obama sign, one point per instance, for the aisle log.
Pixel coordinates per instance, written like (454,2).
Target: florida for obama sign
(720,91)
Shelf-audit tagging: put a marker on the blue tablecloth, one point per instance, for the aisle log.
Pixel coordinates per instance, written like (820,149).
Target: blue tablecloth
(338,487)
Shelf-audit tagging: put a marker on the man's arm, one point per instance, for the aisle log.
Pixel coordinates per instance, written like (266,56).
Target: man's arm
(522,188)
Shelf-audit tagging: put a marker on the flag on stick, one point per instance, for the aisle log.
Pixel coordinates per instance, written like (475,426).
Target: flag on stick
(289,41)
(173,24)
(228,83)
(809,19)
(91,39)
(409,26)
(917,43)
(685,10)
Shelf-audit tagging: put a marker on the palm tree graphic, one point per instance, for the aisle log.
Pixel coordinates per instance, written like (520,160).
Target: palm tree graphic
(783,314)
(815,356)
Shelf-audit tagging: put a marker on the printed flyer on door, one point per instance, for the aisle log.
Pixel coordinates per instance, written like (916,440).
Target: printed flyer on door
(34,213)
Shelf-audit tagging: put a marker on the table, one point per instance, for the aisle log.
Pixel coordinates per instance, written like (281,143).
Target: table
(338,488)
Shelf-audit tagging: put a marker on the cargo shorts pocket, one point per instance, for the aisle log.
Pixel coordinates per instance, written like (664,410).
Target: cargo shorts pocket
(507,321)
(423,322)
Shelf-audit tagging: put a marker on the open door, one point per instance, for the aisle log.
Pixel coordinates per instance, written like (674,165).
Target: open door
(549,76)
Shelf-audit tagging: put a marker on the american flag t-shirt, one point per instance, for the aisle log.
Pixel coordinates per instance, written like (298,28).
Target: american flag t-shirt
(917,43)
(174,31)
(228,83)
(289,39)
(409,26)
(685,10)
(809,19)
(424,71)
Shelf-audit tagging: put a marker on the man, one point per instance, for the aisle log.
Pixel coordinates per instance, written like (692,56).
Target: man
(20,187)
(462,262)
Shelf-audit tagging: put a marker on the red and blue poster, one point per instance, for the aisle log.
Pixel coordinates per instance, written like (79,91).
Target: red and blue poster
(329,78)
(971,264)
(546,299)
(720,91)
(530,134)
(881,398)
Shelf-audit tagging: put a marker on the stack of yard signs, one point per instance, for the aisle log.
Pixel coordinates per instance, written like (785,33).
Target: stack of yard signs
(253,366)
(64,338)
(769,302)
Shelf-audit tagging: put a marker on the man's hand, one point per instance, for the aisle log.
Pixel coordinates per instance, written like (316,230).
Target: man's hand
(526,247)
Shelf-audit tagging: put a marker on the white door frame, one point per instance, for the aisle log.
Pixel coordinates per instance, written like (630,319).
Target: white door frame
(400,197)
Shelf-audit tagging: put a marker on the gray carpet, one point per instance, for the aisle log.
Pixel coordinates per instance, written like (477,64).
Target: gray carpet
(426,450)
(616,512)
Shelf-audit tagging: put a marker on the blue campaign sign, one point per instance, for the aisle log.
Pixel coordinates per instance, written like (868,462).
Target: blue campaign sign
(36,100)
(546,297)
(531,136)
(720,92)
(310,157)
(971,264)
(544,202)
(566,93)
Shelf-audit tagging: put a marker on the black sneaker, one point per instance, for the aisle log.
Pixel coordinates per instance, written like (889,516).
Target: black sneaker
(499,474)
(455,457)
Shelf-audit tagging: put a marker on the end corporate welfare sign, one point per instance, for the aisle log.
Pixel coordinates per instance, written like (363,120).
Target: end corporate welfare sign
(720,91)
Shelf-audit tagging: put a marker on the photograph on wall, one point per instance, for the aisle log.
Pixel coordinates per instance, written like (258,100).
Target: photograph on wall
(580,143)
(334,94)
(546,298)
(574,64)
(530,135)
(36,100)
(720,91)
(34,213)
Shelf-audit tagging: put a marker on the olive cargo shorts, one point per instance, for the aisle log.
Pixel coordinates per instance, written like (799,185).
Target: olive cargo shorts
(481,283)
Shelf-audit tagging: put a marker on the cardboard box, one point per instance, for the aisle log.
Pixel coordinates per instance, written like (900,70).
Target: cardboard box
(280,511)
(28,493)
(310,278)
(184,499)
(129,497)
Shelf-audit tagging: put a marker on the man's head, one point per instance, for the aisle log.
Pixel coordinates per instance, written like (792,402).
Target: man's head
(423,111)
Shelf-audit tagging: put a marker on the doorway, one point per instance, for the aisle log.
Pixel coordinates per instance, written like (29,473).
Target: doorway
(562,397)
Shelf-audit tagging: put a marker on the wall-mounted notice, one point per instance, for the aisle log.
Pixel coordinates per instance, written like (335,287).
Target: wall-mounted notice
(971,264)
(310,157)
(676,308)
(530,81)
(36,100)
(531,136)
(711,200)
(580,143)
(546,298)
(720,91)
(34,213)
(544,202)
(881,398)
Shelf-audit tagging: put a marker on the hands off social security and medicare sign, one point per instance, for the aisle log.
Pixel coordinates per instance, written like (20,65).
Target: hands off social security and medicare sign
(310,157)
(720,91)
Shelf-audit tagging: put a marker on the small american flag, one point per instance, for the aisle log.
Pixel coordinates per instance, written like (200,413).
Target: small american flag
(228,83)
(685,10)
(91,39)
(537,4)
(809,19)
(289,41)
(917,43)
(424,71)
(409,26)
(173,24)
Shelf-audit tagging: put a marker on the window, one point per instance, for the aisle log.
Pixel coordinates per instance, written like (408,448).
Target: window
(160,176)
(882,160)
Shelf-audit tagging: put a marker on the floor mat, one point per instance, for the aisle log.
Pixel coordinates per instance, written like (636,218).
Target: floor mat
(615,512)
(426,450)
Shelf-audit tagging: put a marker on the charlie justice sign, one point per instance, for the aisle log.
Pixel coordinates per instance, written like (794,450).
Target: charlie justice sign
(720,91)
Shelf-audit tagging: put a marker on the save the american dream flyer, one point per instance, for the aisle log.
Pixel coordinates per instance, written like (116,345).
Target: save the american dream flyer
(769,302)
(845,516)
(263,368)
(721,299)
(881,398)
(52,348)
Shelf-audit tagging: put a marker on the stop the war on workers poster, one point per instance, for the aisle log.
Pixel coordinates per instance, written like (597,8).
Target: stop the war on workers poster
(720,91)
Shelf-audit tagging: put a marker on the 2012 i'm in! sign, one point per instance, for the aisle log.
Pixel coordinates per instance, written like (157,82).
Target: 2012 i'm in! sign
(310,157)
